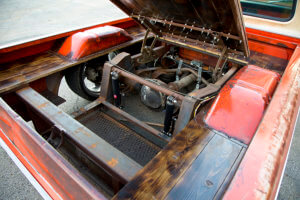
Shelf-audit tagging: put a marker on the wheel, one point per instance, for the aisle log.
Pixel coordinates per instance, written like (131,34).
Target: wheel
(84,80)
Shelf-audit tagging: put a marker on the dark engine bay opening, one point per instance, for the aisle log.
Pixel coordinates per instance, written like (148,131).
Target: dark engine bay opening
(163,86)
(148,97)
(148,93)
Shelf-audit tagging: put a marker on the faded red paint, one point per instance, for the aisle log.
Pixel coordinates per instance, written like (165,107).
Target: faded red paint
(272,44)
(269,49)
(194,55)
(240,105)
(27,51)
(84,43)
(272,38)
(259,173)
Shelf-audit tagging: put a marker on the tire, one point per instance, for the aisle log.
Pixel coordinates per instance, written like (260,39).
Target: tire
(75,80)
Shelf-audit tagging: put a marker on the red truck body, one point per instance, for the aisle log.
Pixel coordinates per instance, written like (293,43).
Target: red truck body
(230,138)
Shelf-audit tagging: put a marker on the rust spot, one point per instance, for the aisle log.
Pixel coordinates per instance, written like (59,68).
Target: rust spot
(113,162)
(81,130)
(86,133)
(93,146)
(99,100)
(42,105)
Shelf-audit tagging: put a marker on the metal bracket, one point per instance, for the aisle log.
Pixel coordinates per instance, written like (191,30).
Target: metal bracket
(147,51)
(178,69)
(56,132)
(216,70)
(198,64)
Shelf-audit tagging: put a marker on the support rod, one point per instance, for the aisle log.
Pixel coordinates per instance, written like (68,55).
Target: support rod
(137,122)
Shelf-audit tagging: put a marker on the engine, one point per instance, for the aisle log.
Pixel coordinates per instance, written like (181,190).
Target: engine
(168,80)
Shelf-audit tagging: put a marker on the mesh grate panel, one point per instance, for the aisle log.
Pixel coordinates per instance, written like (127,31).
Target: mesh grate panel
(121,137)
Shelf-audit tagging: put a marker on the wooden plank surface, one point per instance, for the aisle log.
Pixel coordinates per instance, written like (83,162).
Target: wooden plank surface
(29,69)
(207,173)
(196,164)
(159,176)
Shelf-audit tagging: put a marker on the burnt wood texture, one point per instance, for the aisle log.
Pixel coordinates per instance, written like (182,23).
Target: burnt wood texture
(207,173)
(196,163)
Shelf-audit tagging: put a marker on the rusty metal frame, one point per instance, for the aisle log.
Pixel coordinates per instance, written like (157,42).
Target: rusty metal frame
(152,85)
(187,102)
(105,96)
(134,120)
(186,26)
(191,44)
(120,166)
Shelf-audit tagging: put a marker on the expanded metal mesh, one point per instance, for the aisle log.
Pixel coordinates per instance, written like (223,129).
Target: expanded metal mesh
(121,137)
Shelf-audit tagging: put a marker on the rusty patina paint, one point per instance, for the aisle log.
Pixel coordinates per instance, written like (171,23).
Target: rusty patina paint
(82,130)
(93,146)
(42,105)
(82,136)
(113,162)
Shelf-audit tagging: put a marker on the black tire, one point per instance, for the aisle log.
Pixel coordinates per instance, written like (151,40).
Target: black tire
(75,80)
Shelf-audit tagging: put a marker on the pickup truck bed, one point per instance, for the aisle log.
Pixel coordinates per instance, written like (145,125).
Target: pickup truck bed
(193,150)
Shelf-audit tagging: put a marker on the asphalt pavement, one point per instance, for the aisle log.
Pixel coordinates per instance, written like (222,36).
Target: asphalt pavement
(22,21)
(13,184)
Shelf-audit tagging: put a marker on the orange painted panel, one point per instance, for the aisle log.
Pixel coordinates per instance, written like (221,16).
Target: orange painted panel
(194,55)
(260,172)
(84,43)
(270,49)
(240,105)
